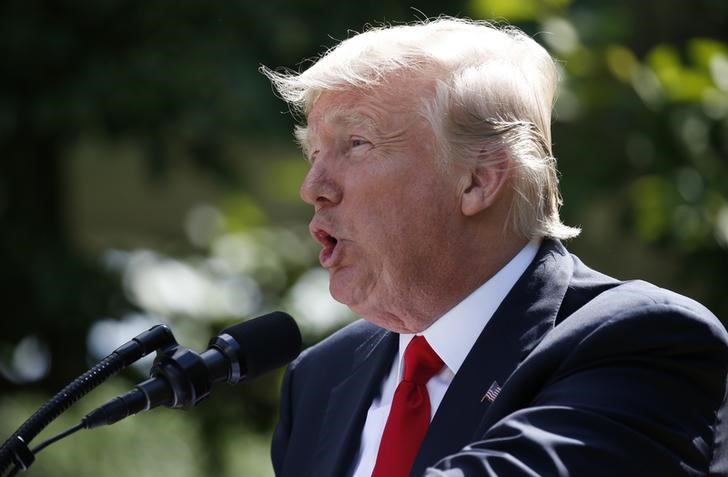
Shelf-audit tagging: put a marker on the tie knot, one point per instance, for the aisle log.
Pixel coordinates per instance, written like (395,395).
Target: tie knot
(420,361)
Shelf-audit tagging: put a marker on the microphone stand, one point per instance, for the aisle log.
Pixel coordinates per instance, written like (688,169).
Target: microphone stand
(16,451)
(180,377)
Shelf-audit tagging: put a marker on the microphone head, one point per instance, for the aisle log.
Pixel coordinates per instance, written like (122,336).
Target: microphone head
(265,343)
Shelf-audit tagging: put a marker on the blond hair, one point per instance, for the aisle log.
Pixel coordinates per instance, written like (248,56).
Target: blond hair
(494,90)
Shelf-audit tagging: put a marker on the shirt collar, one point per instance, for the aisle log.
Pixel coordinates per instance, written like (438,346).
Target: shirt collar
(454,333)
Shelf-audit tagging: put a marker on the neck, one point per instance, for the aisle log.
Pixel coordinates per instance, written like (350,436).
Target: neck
(489,254)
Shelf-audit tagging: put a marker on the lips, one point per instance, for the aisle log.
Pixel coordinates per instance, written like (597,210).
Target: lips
(328,242)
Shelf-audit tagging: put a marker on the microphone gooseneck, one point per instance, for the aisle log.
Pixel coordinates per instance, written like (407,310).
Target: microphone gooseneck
(16,450)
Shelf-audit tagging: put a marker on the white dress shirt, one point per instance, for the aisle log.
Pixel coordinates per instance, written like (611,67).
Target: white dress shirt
(451,336)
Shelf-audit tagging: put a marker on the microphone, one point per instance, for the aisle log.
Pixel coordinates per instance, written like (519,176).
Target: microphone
(181,378)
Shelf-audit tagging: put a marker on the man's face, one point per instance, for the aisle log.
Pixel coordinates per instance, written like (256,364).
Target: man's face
(385,211)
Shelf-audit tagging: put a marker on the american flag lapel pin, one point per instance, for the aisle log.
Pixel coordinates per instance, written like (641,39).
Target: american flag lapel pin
(492,392)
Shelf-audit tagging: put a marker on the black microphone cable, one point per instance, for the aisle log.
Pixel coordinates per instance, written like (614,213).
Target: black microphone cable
(35,450)
(15,449)
(180,378)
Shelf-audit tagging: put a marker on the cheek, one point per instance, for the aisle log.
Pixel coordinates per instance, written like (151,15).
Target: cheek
(381,238)
(398,234)
(425,225)
(399,212)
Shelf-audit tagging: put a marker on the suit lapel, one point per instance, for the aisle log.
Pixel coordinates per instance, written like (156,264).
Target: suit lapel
(521,321)
(348,403)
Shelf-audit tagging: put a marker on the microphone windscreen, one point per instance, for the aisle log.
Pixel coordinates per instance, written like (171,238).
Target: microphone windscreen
(267,342)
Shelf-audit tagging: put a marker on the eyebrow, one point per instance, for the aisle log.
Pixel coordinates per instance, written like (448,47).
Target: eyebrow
(351,119)
(301,135)
(337,117)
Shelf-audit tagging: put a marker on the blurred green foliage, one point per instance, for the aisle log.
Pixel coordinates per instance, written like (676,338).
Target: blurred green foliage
(148,174)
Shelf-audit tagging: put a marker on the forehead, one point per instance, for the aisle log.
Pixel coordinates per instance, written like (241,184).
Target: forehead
(350,108)
(344,115)
(398,97)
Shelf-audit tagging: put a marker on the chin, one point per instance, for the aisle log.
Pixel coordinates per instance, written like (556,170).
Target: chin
(364,300)
(344,294)
(340,292)
(345,288)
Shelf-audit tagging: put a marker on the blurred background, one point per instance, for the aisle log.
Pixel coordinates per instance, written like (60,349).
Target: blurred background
(148,175)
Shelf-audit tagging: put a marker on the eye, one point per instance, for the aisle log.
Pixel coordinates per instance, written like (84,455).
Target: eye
(357,141)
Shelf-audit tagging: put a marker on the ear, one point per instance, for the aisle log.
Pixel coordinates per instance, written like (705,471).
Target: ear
(484,184)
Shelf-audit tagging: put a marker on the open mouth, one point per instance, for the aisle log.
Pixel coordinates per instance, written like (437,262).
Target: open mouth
(328,242)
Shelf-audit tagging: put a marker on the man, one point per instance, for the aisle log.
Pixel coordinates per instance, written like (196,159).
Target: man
(486,348)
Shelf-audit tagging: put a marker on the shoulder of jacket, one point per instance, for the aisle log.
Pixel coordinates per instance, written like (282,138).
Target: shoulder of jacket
(341,345)
(641,306)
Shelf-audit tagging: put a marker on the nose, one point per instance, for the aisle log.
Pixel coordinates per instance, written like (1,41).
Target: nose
(319,187)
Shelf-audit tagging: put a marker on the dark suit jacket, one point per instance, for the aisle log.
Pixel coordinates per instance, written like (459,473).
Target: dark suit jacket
(599,377)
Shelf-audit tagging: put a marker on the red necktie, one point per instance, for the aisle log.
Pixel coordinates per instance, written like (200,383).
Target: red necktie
(410,413)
